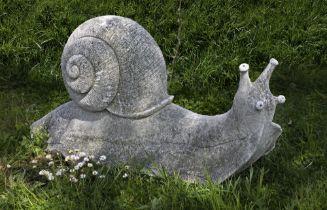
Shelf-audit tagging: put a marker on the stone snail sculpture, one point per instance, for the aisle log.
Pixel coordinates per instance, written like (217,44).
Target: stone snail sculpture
(116,75)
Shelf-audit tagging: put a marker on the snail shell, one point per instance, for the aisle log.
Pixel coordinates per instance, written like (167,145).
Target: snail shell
(113,63)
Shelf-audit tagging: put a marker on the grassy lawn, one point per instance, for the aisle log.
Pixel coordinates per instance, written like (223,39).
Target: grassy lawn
(203,43)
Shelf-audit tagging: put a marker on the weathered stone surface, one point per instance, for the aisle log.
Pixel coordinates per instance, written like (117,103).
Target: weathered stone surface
(116,75)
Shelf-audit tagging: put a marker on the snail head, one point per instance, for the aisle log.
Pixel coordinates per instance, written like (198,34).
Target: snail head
(254,105)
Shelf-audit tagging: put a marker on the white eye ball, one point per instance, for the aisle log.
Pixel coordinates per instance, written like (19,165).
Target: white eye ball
(281,99)
(259,105)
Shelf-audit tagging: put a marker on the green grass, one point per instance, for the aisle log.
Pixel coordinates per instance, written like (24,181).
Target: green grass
(202,51)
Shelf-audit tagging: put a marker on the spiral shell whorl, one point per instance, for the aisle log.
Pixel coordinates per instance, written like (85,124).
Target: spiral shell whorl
(91,76)
(130,78)
(80,74)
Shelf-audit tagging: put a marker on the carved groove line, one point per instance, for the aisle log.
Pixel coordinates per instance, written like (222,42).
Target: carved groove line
(91,72)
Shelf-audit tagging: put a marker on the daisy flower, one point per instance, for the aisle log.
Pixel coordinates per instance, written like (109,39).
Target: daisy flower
(102,158)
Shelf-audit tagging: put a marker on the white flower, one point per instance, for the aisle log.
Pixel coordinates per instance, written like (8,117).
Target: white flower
(59,173)
(34,166)
(34,161)
(50,163)
(48,174)
(86,159)
(102,158)
(127,167)
(73,179)
(82,154)
(44,172)
(70,151)
(62,169)
(74,157)
(71,170)
(79,165)
(82,176)
(102,176)
(98,162)
(70,157)
(8,166)
(125,175)
(94,173)
(48,156)
(90,165)
(91,157)
(50,177)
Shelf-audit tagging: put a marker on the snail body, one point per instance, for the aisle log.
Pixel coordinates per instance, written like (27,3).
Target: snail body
(115,73)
